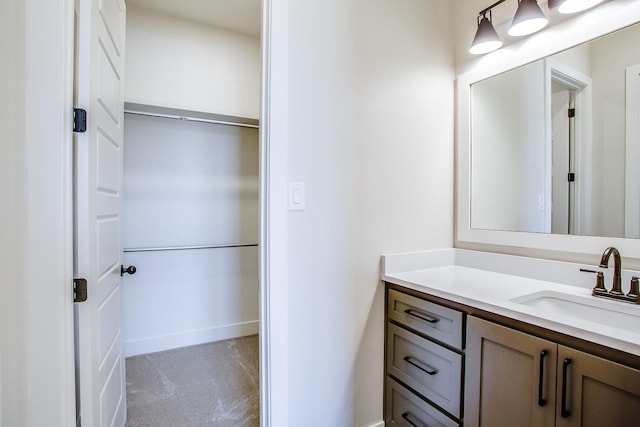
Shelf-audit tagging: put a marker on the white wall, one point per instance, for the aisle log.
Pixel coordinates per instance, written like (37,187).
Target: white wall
(577,58)
(189,184)
(177,63)
(371,135)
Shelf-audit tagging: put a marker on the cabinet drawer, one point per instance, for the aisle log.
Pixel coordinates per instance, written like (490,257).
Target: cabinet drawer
(432,320)
(405,409)
(428,368)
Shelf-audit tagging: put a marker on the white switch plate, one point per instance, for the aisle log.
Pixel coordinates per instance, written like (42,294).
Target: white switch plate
(296,196)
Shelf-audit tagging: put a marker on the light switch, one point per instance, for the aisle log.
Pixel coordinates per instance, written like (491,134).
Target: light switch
(296,196)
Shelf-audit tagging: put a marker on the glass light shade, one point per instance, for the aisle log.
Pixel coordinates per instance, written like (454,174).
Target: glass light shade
(575,6)
(528,19)
(486,39)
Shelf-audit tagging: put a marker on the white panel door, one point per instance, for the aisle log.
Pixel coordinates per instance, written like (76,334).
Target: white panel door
(98,246)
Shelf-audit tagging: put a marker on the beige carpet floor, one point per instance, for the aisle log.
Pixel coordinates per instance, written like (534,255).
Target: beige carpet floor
(215,384)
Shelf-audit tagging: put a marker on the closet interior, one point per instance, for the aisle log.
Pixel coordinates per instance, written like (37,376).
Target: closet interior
(190,220)
(190,228)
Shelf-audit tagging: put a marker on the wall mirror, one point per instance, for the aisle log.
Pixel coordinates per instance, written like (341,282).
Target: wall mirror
(549,151)
(550,139)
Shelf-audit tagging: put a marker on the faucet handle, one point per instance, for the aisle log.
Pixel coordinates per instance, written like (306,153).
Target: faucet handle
(599,288)
(633,289)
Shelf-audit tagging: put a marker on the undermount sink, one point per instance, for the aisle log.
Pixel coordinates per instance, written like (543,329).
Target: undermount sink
(616,314)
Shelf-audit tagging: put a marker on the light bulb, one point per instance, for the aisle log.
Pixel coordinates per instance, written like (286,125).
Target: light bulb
(528,19)
(575,6)
(486,39)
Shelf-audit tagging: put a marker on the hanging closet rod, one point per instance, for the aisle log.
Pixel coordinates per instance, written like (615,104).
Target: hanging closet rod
(184,248)
(191,119)
(187,115)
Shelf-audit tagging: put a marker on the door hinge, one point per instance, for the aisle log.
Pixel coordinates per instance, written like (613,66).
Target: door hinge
(79,290)
(571,177)
(571,112)
(79,120)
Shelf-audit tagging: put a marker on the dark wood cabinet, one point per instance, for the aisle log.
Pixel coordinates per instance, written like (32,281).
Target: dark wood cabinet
(449,364)
(517,379)
(424,359)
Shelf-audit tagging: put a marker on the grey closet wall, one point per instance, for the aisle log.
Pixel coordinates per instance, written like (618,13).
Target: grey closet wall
(188,187)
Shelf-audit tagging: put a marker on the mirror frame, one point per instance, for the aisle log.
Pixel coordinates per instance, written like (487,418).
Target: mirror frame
(609,17)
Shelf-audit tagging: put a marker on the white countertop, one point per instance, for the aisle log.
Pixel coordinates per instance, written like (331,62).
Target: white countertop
(490,282)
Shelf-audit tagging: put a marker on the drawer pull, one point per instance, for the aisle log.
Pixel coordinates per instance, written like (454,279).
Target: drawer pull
(421,316)
(408,416)
(418,364)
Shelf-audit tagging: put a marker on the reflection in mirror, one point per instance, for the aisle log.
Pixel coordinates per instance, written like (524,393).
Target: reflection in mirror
(555,143)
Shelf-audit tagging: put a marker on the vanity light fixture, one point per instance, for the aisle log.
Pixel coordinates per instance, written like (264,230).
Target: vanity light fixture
(528,19)
(486,39)
(573,6)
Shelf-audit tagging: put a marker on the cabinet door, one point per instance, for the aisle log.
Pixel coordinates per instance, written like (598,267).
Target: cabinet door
(594,392)
(510,377)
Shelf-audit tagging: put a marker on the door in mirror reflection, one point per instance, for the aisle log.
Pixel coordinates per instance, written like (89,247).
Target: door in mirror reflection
(562,177)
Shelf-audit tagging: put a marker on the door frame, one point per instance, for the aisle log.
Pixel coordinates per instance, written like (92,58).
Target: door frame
(47,244)
(274,115)
(49,253)
(583,136)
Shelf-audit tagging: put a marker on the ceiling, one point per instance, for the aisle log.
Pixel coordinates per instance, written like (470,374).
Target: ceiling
(241,16)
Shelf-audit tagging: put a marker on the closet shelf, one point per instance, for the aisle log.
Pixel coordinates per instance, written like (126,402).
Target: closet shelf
(188,115)
(185,248)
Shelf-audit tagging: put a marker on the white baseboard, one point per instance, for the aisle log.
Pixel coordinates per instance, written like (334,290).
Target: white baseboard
(187,338)
(378,424)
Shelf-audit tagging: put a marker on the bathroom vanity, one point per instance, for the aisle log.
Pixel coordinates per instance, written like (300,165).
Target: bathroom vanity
(480,339)
(484,339)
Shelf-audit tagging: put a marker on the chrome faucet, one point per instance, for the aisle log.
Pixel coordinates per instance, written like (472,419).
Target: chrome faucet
(616,290)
